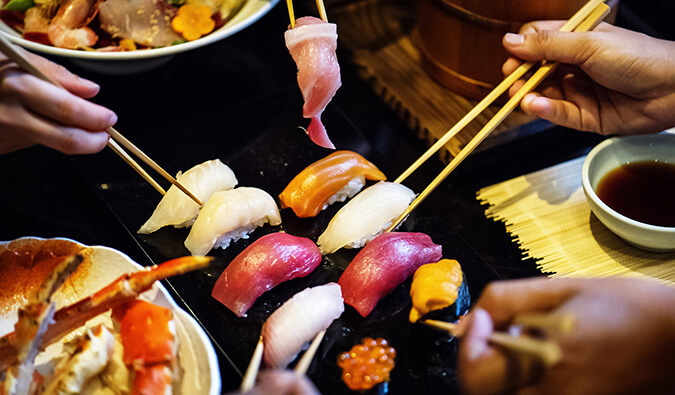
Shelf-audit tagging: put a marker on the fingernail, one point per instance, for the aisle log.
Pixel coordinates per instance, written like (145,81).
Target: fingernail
(113,119)
(514,39)
(91,84)
(543,105)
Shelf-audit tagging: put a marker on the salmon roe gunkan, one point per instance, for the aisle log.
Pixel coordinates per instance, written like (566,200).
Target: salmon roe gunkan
(367,364)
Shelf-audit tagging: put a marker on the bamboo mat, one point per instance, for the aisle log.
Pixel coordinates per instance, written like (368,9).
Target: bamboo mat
(549,217)
(379,34)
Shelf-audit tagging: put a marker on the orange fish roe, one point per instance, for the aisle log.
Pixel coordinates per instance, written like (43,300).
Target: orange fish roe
(367,364)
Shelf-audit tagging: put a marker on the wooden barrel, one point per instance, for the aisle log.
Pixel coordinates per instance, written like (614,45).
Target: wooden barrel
(461,40)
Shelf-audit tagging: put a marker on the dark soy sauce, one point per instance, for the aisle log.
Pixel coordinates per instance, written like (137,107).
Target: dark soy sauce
(643,191)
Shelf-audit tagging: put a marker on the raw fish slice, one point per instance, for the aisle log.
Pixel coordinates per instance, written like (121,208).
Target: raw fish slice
(298,321)
(147,22)
(230,216)
(176,208)
(332,179)
(384,264)
(365,216)
(270,260)
(312,44)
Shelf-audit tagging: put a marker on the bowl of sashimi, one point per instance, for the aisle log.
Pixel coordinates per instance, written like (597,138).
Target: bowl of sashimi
(124,36)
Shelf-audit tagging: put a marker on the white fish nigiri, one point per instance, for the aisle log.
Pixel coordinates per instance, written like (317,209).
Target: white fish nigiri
(229,216)
(298,321)
(176,208)
(365,216)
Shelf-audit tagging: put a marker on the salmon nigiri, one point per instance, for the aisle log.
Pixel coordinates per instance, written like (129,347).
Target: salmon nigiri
(335,178)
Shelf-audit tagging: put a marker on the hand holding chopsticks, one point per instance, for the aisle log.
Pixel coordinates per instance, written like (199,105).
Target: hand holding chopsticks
(16,56)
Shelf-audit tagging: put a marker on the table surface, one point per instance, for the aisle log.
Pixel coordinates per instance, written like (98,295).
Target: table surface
(238,100)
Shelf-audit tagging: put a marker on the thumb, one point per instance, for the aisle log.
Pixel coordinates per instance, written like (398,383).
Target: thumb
(552,45)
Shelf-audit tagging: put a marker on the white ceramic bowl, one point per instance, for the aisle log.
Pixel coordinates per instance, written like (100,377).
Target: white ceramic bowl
(138,61)
(618,151)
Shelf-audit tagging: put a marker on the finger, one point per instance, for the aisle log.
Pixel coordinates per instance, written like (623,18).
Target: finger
(511,64)
(565,47)
(505,299)
(62,76)
(538,26)
(57,104)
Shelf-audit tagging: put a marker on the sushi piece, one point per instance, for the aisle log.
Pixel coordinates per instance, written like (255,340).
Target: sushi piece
(335,178)
(176,208)
(298,321)
(384,264)
(365,216)
(312,44)
(229,216)
(270,260)
(435,286)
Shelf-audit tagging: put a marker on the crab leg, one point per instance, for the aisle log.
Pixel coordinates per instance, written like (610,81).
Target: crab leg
(124,289)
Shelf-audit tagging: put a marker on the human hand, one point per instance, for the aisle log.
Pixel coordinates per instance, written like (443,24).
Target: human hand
(622,342)
(33,111)
(282,382)
(610,80)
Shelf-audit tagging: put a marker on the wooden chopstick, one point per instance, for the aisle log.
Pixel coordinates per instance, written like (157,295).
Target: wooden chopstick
(546,351)
(17,57)
(306,360)
(500,89)
(319,5)
(248,381)
(544,70)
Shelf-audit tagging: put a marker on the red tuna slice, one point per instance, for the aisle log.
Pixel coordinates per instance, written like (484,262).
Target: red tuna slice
(312,44)
(383,264)
(267,262)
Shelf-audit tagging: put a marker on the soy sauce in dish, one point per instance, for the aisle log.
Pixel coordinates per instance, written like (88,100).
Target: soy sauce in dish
(643,191)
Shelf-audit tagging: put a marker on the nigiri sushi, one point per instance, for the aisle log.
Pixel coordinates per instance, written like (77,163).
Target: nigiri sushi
(365,216)
(264,264)
(312,44)
(176,208)
(297,321)
(384,264)
(434,286)
(335,178)
(229,216)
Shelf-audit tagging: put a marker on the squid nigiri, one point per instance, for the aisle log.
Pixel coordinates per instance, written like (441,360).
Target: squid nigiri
(264,264)
(229,216)
(335,178)
(312,44)
(365,216)
(435,286)
(176,208)
(298,321)
(384,264)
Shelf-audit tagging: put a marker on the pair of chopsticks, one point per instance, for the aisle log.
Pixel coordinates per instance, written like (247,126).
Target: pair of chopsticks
(319,5)
(301,368)
(17,57)
(546,351)
(592,13)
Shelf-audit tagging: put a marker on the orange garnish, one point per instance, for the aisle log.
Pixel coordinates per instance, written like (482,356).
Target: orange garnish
(127,44)
(193,21)
(367,364)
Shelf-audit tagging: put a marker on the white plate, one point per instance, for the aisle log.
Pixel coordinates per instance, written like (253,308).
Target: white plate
(142,60)
(195,352)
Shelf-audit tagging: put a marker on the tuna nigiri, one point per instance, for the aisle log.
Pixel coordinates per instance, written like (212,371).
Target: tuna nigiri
(271,259)
(298,320)
(229,216)
(335,178)
(312,44)
(176,208)
(384,264)
(365,216)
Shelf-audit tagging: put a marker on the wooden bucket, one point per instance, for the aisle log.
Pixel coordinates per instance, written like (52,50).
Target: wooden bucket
(461,40)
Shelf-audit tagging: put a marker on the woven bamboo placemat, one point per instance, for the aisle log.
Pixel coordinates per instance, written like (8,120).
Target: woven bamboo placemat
(550,219)
(380,37)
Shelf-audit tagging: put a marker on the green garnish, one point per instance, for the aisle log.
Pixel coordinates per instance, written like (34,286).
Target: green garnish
(19,5)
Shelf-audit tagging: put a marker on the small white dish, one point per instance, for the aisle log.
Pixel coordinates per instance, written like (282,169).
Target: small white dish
(131,62)
(102,265)
(613,153)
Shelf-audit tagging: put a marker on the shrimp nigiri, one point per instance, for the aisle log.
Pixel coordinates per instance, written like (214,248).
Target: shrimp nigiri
(365,216)
(335,178)
(176,208)
(264,264)
(298,321)
(384,264)
(229,216)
